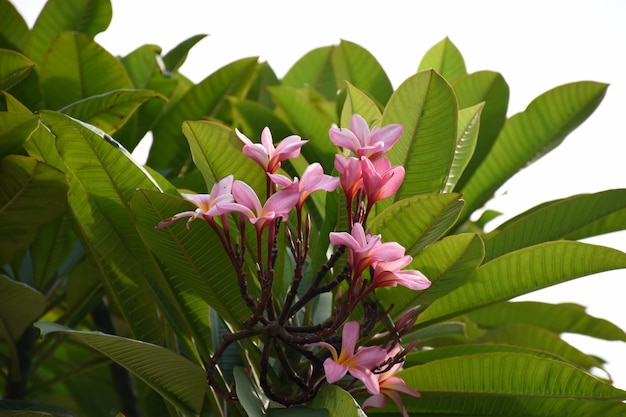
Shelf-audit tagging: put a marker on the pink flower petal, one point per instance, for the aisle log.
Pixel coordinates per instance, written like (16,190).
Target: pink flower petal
(334,371)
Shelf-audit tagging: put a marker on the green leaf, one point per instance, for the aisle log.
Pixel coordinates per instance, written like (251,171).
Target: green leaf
(558,318)
(357,65)
(175,58)
(337,401)
(208,99)
(20,306)
(556,220)
(308,114)
(196,255)
(217,153)
(445,58)
(483,87)
(175,378)
(418,221)
(524,271)
(16,408)
(15,129)
(14,67)
(141,64)
(76,67)
(49,251)
(531,134)
(102,180)
(252,117)
(89,17)
(507,374)
(359,102)
(14,30)
(467,136)
(314,70)
(448,263)
(32,194)
(110,111)
(249,394)
(426,106)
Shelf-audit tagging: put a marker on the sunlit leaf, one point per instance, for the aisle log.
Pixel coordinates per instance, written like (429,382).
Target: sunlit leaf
(337,401)
(445,58)
(558,318)
(14,67)
(174,377)
(110,111)
(32,194)
(558,220)
(523,271)
(359,67)
(359,102)
(467,135)
(89,17)
(314,70)
(426,106)
(531,134)
(76,67)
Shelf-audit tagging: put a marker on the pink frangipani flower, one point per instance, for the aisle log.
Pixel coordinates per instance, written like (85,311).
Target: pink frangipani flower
(209,205)
(390,274)
(247,202)
(359,364)
(390,386)
(364,249)
(313,179)
(268,156)
(380,179)
(363,142)
(351,176)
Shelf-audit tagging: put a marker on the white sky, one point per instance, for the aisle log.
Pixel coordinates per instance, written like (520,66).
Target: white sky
(535,45)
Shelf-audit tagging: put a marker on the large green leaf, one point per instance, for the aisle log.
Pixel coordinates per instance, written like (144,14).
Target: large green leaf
(531,134)
(309,115)
(175,58)
(14,30)
(467,135)
(252,117)
(102,180)
(20,306)
(483,87)
(15,129)
(355,64)
(196,255)
(418,221)
(84,16)
(337,401)
(14,67)
(558,318)
(207,99)
(32,194)
(448,263)
(426,106)
(175,378)
(76,67)
(314,70)
(110,111)
(445,58)
(557,220)
(524,271)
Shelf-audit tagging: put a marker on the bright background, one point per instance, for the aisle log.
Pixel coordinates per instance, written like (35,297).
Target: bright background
(535,45)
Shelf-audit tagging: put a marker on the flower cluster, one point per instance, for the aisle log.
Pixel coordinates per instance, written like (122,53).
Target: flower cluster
(365,176)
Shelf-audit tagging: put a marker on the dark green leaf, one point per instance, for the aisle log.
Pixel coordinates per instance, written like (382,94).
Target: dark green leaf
(177,56)
(175,378)
(14,67)
(20,306)
(314,70)
(14,31)
(15,129)
(32,194)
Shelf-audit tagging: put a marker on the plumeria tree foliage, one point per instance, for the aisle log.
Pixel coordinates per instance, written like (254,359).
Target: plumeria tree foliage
(306,245)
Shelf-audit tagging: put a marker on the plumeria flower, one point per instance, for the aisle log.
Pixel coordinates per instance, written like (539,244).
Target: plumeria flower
(359,364)
(268,156)
(390,386)
(247,202)
(363,142)
(390,274)
(380,179)
(313,179)
(209,205)
(351,175)
(364,249)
